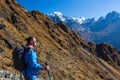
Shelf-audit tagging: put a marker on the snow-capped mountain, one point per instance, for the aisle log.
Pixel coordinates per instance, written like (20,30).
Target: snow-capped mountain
(58,15)
(73,23)
(105,29)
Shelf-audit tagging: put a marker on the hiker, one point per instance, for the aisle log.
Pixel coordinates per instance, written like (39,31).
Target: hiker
(31,60)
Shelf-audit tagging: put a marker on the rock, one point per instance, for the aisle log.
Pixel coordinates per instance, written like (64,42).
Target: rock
(63,26)
(10,45)
(1,51)
(2,27)
(14,18)
(108,53)
(6,75)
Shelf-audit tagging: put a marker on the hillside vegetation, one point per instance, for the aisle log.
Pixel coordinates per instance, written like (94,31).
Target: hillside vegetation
(69,57)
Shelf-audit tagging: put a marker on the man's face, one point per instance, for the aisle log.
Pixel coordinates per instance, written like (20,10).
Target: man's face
(34,42)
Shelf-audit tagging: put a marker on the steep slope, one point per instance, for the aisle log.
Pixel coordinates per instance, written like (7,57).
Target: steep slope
(69,57)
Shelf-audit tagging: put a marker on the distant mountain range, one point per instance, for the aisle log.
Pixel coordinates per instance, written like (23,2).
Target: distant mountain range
(105,29)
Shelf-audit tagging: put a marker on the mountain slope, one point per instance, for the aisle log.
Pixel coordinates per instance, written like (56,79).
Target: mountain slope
(69,57)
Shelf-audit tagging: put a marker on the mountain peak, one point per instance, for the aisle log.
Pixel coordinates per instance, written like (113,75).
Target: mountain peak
(79,19)
(58,17)
(113,15)
(58,13)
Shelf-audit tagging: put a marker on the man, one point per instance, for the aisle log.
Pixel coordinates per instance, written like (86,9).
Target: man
(31,60)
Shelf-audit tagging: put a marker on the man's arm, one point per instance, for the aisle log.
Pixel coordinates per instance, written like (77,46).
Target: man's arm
(33,61)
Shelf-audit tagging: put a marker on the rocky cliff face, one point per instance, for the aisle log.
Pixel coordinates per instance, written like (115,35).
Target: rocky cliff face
(69,57)
(108,53)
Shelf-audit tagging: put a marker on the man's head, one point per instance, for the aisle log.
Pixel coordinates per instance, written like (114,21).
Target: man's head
(31,41)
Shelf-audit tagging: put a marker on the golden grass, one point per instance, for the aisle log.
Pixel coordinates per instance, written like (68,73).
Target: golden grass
(68,63)
(111,68)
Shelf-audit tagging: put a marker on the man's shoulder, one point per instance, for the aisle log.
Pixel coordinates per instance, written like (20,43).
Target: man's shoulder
(31,51)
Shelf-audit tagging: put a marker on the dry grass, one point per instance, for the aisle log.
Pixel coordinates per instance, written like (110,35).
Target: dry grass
(66,58)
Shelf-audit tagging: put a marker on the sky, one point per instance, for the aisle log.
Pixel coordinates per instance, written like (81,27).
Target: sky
(73,8)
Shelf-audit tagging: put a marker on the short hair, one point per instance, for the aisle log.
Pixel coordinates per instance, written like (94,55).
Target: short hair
(29,39)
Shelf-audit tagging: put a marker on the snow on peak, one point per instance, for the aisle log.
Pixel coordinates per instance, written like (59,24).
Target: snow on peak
(79,20)
(59,14)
